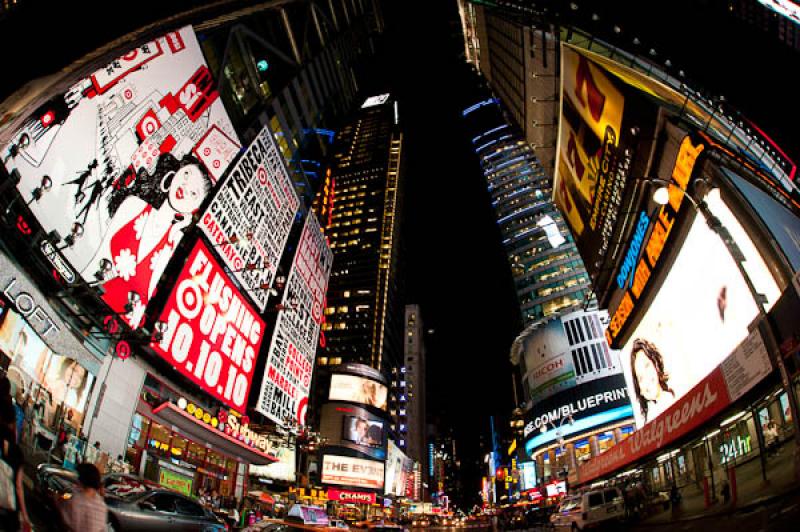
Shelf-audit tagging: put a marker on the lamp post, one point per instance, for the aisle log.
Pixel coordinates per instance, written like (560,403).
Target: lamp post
(559,437)
(661,196)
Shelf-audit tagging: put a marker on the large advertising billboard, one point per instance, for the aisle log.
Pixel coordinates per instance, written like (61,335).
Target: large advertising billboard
(745,367)
(283,469)
(213,335)
(250,216)
(565,352)
(399,471)
(358,390)
(354,472)
(291,355)
(699,315)
(355,428)
(596,147)
(131,153)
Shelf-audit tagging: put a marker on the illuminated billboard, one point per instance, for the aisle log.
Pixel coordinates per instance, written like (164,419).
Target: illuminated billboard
(399,470)
(527,475)
(564,352)
(131,152)
(283,469)
(213,335)
(355,428)
(596,148)
(358,390)
(699,315)
(291,354)
(250,216)
(354,472)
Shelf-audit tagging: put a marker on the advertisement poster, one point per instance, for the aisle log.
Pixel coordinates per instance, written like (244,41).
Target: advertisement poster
(290,362)
(283,469)
(358,390)
(565,352)
(175,481)
(355,472)
(699,316)
(213,335)
(250,216)
(355,428)
(35,369)
(131,151)
(591,166)
(398,469)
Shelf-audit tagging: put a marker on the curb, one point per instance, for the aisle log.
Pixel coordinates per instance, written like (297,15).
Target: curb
(767,499)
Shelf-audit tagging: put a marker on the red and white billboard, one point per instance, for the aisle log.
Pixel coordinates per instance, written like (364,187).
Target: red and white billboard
(744,368)
(213,335)
(290,362)
(351,497)
(250,217)
(131,151)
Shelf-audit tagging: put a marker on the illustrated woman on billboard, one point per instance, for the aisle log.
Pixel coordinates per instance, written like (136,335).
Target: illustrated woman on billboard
(649,377)
(148,217)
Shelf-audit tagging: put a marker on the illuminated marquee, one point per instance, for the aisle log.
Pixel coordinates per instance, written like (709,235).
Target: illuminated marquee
(654,245)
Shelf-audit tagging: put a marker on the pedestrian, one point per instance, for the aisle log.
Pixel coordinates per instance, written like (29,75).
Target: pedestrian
(85,511)
(92,453)
(725,491)
(771,437)
(13,513)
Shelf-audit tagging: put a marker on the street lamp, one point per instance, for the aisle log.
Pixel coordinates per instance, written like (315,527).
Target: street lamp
(559,436)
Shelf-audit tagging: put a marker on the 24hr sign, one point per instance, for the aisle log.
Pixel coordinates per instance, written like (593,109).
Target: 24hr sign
(213,335)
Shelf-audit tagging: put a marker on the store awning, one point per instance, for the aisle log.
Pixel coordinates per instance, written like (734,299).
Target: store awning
(170,415)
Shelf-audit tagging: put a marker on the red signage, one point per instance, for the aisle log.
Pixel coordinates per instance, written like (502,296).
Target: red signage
(356,497)
(213,335)
(703,402)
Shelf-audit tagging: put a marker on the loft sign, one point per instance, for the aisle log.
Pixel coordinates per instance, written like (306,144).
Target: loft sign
(28,307)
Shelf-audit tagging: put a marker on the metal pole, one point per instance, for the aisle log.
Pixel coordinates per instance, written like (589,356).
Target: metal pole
(761,446)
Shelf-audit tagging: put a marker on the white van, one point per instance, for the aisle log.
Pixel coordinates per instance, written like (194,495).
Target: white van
(589,509)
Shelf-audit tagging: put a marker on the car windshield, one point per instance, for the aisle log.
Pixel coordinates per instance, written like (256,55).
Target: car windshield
(570,504)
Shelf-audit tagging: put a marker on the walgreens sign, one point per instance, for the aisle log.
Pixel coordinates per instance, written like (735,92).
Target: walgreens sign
(213,335)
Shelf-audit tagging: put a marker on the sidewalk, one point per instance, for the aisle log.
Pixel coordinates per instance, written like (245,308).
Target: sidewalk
(752,491)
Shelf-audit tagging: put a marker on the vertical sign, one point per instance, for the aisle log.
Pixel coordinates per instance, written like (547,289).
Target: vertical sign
(250,217)
(284,391)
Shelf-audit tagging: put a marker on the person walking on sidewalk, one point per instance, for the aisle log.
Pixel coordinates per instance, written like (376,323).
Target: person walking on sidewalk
(13,513)
(725,491)
(86,511)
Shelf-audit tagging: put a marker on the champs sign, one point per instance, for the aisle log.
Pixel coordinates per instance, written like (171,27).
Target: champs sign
(213,335)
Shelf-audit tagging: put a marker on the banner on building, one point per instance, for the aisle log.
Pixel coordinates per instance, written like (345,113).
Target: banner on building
(213,335)
(249,219)
(131,153)
(290,359)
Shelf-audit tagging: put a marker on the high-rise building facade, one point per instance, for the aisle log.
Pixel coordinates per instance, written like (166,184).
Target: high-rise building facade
(548,273)
(411,383)
(359,205)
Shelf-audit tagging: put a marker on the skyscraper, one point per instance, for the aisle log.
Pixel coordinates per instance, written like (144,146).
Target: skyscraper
(411,382)
(359,206)
(548,273)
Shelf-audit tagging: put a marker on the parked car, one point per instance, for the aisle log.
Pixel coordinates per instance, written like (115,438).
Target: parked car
(133,503)
(160,509)
(589,509)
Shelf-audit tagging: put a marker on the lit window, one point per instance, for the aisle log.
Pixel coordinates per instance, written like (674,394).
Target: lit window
(323,361)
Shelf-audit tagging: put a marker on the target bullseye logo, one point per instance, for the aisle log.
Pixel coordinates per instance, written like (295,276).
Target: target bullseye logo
(190,299)
(261,173)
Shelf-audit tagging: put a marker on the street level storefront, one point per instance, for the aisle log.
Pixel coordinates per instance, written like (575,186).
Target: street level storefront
(52,388)
(181,445)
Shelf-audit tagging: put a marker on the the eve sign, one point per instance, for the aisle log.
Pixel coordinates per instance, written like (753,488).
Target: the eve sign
(213,335)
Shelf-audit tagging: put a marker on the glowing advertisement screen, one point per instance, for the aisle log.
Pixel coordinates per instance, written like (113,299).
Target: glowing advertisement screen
(213,335)
(250,216)
(527,475)
(399,468)
(290,359)
(358,390)
(132,151)
(698,317)
(355,472)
